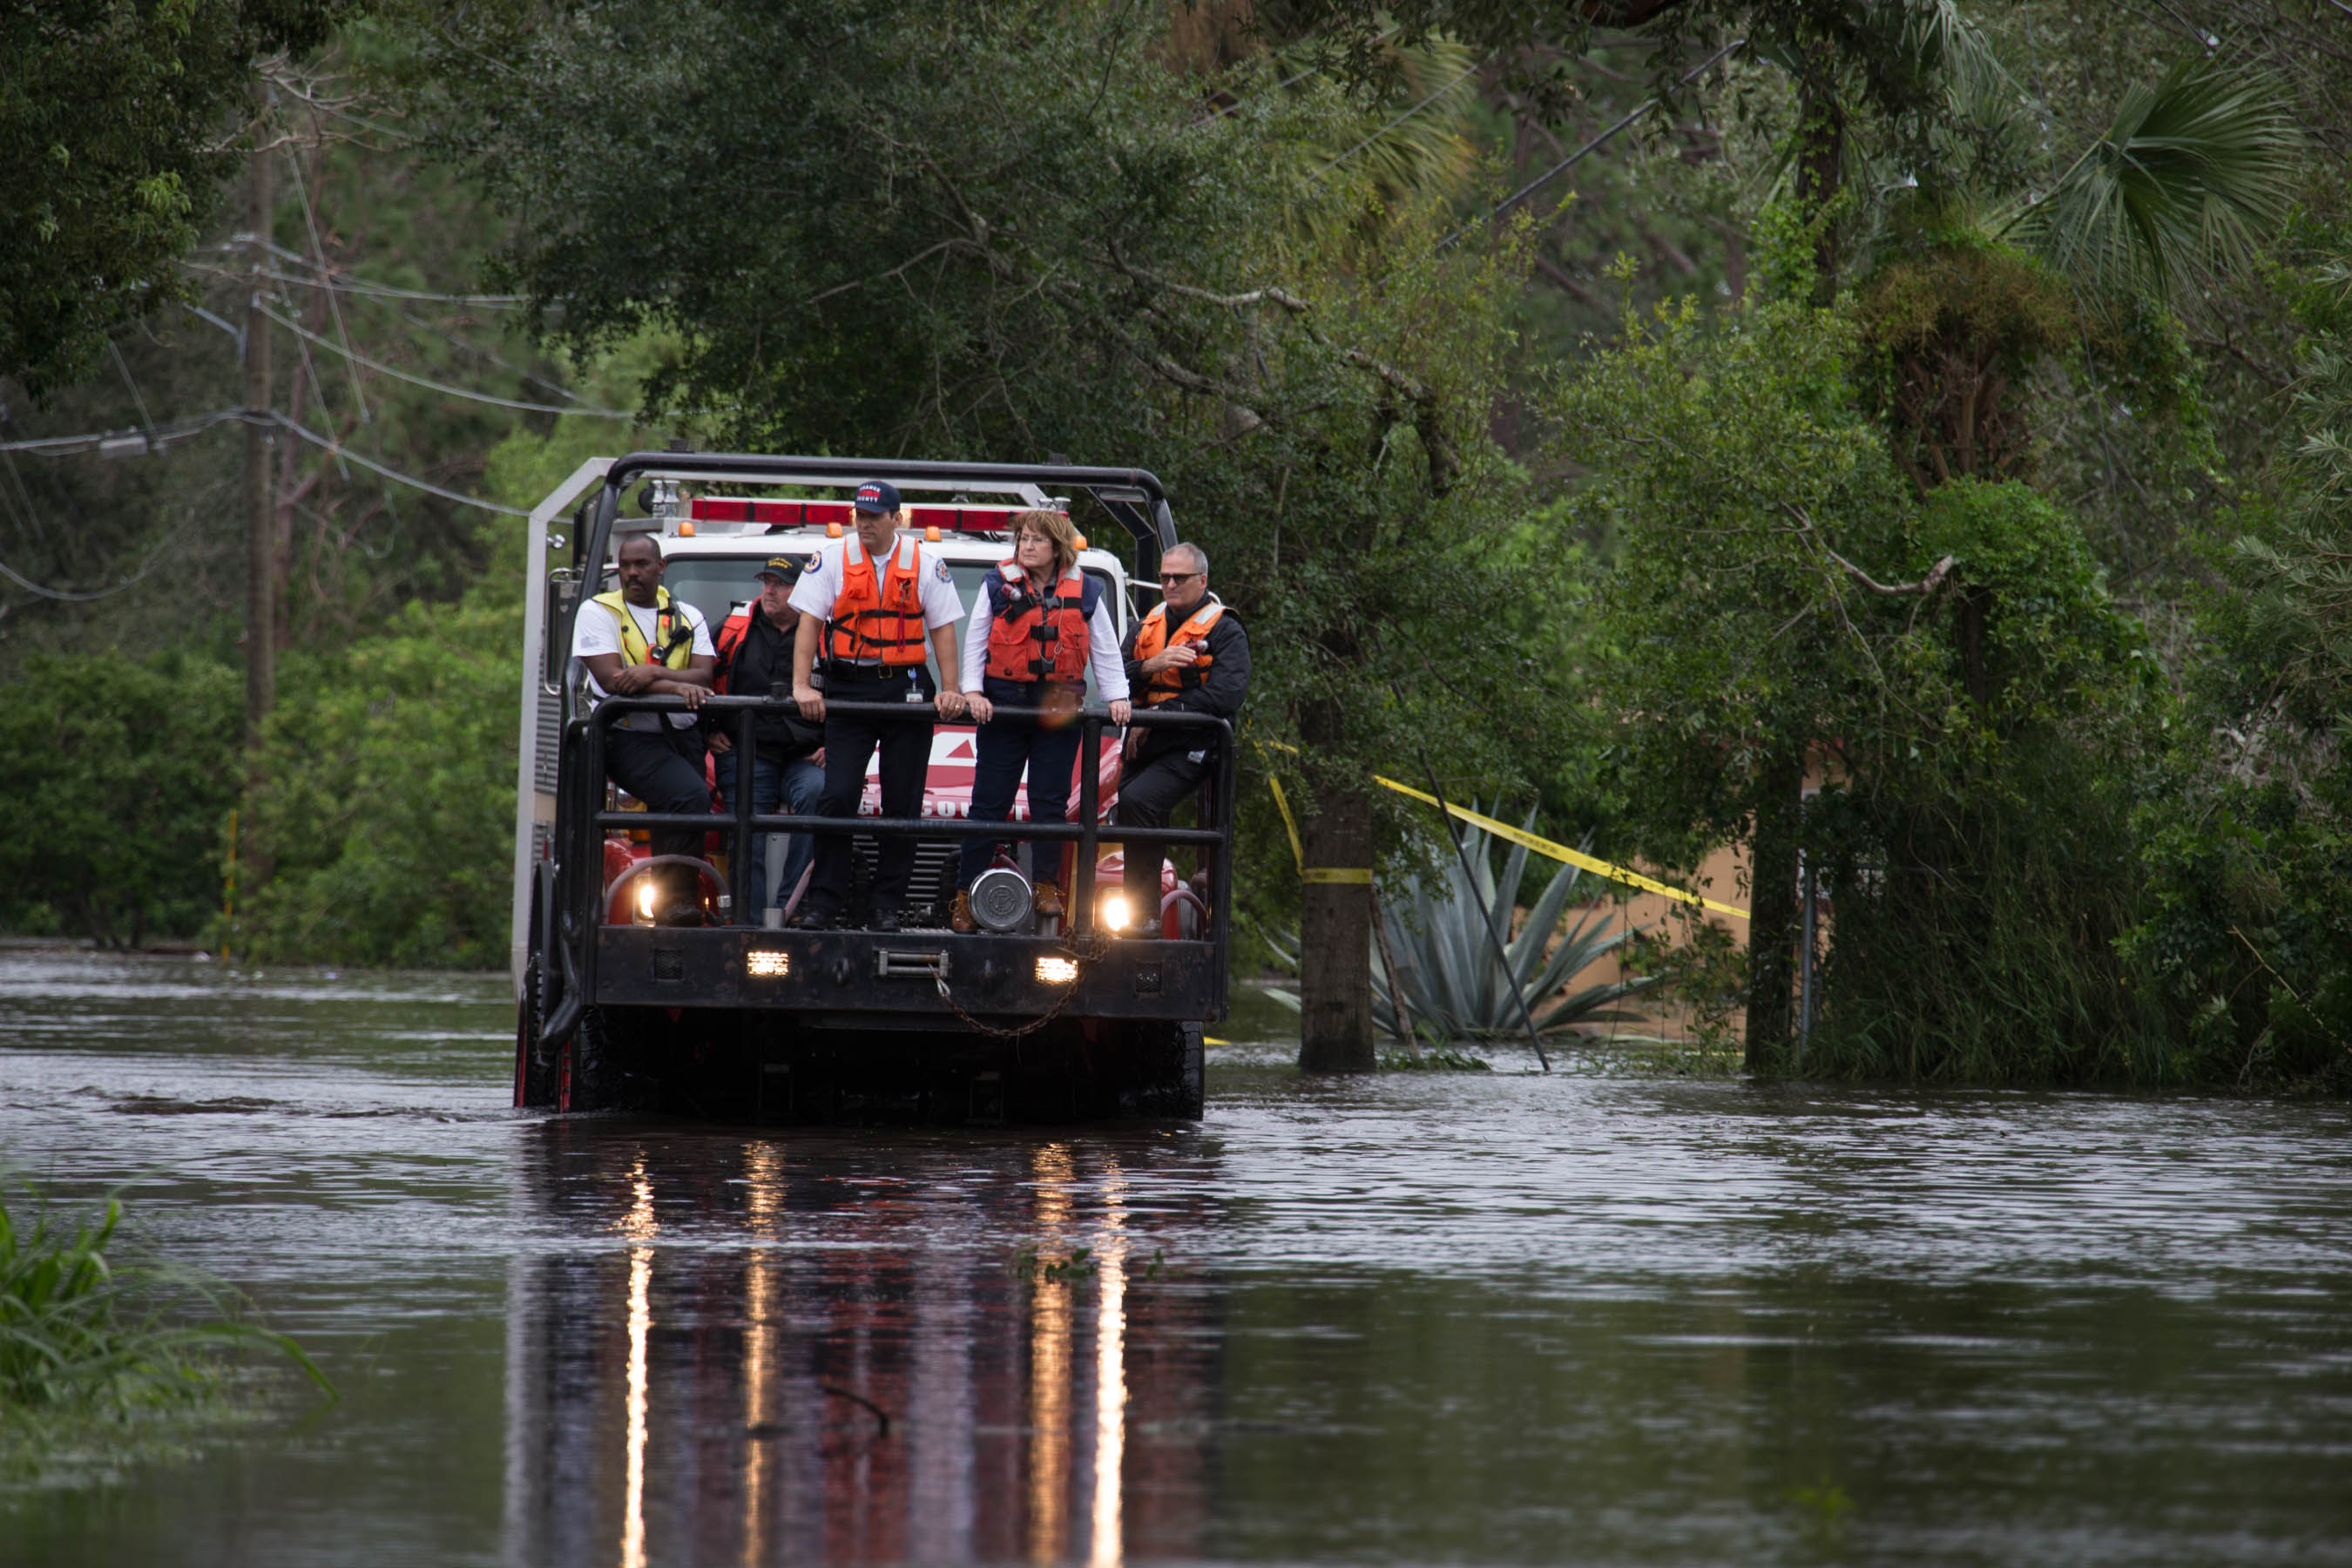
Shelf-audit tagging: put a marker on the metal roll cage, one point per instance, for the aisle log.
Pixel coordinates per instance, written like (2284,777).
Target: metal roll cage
(581,895)
(1133,496)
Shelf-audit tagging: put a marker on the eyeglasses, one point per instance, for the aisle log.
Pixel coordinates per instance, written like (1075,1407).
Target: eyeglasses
(1180,576)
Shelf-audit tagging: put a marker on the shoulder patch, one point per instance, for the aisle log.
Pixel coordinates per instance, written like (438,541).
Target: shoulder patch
(941,567)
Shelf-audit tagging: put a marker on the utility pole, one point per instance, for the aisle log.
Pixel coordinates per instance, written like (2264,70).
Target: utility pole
(261,521)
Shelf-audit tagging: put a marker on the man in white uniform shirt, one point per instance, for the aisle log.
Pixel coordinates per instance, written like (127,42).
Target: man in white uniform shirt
(870,608)
(662,648)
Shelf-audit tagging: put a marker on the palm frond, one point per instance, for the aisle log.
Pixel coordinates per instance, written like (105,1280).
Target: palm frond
(2190,171)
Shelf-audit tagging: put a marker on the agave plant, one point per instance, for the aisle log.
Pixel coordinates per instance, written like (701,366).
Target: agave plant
(1455,987)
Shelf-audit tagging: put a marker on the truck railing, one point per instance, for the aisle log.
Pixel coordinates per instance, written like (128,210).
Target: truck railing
(584,744)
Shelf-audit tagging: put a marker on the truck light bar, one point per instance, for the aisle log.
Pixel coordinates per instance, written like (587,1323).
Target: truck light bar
(819,513)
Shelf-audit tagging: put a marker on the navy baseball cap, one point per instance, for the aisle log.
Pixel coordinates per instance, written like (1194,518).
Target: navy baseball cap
(783,568)
(878,495)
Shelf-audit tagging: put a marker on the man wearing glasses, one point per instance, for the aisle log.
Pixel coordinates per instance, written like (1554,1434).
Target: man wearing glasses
(1189,653)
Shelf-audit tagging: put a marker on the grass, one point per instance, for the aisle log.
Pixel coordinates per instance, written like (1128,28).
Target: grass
(101,1366)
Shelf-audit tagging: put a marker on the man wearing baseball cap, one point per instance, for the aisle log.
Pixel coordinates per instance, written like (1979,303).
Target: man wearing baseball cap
(871,606)
(755,657)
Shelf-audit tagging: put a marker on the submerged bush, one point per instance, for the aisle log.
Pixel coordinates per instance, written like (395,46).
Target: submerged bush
(93,1356)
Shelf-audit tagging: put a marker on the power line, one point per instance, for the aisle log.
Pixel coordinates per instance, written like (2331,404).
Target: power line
(1561,167)
(329,278)
(1476,66)
(155,437)
(442,387)
(415,319)
(145,419)
(74,597)
(347,284)
(334,305)
(179,430)
(428,486)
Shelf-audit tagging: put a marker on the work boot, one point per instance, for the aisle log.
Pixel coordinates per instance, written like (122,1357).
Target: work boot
(1047,899)
(810,918)
(886,922)
(959,914)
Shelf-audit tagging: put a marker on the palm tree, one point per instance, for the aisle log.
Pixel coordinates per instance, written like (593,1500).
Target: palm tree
(1977,272)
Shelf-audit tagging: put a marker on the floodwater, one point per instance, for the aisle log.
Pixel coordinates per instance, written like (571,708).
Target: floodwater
(1460,1318)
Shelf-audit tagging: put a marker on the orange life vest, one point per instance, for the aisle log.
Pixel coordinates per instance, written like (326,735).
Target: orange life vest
(1151,638)
(881,620)
(1038,639)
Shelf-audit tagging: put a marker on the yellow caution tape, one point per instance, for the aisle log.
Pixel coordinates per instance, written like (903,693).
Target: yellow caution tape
(1345,876)
(1298,852)
(1561,852)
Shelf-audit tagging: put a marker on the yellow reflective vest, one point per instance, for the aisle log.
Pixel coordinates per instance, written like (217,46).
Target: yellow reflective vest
(672,628)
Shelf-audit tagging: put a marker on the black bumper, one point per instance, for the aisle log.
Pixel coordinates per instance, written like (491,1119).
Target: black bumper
(865,979)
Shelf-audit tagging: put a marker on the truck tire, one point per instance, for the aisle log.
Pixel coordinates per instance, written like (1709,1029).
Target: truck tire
(1174,1077)
(1192,1072)
(585,1067)
(535,1071)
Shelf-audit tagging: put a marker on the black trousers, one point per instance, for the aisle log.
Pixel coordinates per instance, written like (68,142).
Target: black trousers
(1004,749)
(1147,794)
(849,744)
(650,767)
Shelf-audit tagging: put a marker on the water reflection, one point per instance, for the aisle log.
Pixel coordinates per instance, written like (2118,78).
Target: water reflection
(803,1365)
(1425,1318)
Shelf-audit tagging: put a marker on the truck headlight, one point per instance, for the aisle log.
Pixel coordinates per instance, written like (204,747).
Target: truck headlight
(1116,913)
(1057,971)
(644,901)
(767,962)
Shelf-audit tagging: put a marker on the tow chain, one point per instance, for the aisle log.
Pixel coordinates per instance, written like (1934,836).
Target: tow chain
(1031,1027)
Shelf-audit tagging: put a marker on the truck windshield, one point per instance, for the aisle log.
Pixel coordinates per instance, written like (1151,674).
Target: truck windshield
(718,586)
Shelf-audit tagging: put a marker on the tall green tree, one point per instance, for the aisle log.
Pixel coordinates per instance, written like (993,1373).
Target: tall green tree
(878,227)
(1949,667)
(118,123)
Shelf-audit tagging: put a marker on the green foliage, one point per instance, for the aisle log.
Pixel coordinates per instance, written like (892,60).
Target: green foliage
(1957,325)
(387,795)
(1699,971)
(2246,829)
(1455,988)
(1951,667)
(113,122)
(121,773)
(1735,476)
(95,1355)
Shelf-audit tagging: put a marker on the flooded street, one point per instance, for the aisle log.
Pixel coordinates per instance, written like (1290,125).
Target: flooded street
(1499,1318)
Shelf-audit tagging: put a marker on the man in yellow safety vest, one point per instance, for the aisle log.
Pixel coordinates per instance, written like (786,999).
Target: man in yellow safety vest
(639,642)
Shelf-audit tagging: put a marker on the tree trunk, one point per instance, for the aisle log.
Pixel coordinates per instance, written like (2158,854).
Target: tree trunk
(1821,172)
(1335,940)
(1772,910)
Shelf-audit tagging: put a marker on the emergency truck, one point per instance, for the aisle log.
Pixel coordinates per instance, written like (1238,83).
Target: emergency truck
(1096,1014)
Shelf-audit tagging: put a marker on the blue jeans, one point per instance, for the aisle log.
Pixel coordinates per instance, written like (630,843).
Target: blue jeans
(1004,748)
(793,787)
